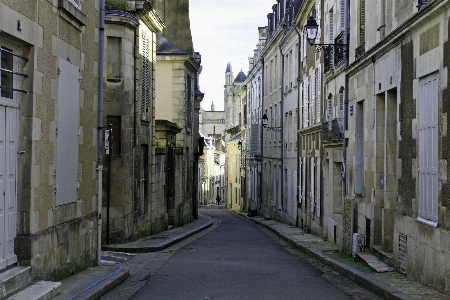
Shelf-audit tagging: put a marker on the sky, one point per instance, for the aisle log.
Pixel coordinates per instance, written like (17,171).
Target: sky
(225,31)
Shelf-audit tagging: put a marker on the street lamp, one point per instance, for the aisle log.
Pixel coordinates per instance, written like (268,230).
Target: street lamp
(311,28)
(264,120)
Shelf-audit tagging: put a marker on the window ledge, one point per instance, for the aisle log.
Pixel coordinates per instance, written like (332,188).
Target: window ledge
(427,222)
(72,11)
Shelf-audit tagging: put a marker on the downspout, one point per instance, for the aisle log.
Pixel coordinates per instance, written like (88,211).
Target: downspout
(282,131)
(262,136)
(136,120)
(298,120)
(100,131)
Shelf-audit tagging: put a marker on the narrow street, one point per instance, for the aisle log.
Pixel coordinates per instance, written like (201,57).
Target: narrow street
(235,259)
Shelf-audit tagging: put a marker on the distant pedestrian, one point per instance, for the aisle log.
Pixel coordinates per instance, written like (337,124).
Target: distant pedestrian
(218,200)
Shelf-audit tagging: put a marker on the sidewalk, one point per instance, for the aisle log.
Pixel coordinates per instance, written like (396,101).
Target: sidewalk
(389,285)
(95,282)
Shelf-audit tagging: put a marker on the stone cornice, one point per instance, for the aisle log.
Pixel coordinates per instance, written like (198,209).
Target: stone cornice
(395,37)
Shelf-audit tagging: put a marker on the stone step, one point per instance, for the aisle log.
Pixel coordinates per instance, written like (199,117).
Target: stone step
(374,262)
(13,280)
(42,290)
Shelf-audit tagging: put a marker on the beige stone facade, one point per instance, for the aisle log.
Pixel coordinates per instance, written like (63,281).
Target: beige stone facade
(51,112)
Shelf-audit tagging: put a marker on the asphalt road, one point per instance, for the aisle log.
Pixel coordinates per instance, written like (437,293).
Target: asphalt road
(237,259)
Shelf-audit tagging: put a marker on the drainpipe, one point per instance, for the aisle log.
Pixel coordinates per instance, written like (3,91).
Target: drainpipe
(262,144)
(282,131)
(298,120)
(100,131)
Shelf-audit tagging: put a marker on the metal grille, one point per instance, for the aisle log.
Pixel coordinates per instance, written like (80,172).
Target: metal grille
(340,52)
(145,74)
(360,51)
(368,221)
(7,72)
(402,251)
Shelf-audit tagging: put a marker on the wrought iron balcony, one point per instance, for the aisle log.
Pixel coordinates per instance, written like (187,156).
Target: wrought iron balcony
(340,53)
(328,59)
(360,51)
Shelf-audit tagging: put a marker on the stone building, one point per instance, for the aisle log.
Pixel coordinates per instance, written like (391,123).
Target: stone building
(231,97)
(253,126)
(48,135)
(212,125)
(176,71)
(132,210)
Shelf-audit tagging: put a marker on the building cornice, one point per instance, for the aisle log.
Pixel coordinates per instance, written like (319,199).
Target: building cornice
(397,35)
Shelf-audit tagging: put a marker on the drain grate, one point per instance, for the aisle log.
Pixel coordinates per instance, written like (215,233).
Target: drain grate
(402,251)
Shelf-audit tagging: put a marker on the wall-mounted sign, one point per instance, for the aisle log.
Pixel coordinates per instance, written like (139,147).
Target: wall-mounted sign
(351,110)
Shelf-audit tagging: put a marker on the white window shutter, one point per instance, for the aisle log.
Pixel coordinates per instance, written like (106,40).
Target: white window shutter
(312,100)
(342,14)
(329,109)
(341,105)
(318,168)
(318,15)
(330,27)
(312,190)
(319,93)
(300,182)
(428,148)
(301,108)
(305,103)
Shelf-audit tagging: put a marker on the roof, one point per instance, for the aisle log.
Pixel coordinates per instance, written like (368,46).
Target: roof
(229,69)
(165,47)
(240,77)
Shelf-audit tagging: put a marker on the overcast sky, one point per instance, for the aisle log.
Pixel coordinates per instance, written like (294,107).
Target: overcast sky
(225,31)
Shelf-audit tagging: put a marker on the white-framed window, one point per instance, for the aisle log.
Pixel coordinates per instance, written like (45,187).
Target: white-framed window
(428,150)
(319,93)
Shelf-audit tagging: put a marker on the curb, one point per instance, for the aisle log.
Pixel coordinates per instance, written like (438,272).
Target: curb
(160,246)
(378,287)
(97,290)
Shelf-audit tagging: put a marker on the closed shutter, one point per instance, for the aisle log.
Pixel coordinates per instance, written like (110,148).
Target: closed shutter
(319,93)
(329,109)
(428,148)
(303,182)
(312,188)
(67,133)
(330,27)
(359,132)
(312,100)
(342,13)
(318,185)
(301,109)
(341,105)
(145,75)
(300,182)
(305,103)
(319,15)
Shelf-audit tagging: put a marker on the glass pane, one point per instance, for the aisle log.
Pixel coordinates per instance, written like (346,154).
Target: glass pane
(6,78)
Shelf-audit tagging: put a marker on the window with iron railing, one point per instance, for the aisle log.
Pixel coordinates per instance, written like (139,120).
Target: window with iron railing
(340,52)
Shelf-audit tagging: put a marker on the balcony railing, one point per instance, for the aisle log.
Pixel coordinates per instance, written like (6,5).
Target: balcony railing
(360,51)
(340,53)
(328,59)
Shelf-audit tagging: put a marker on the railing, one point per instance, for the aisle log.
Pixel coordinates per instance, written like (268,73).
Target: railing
(340,53)
(360,51)
(328,59)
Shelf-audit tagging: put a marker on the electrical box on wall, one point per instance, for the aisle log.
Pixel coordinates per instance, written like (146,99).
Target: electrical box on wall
(357,243)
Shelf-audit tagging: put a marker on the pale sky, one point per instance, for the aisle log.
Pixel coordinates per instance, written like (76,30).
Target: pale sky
(225,31)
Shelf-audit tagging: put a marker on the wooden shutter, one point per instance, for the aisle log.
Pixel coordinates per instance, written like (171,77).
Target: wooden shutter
(330,27)
(428,148)
(329,109)
(318,185)
(67,133)
(341,105)
(305,103)
(301,108)
(312,101)
(319,93)
(359,132)
(312,188)
(342,14)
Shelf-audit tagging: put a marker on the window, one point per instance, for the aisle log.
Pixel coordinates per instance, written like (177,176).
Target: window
(428,150)
(342,14)
(76,3)
(329,109)
(312,101)
(319,93)
(6,78)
